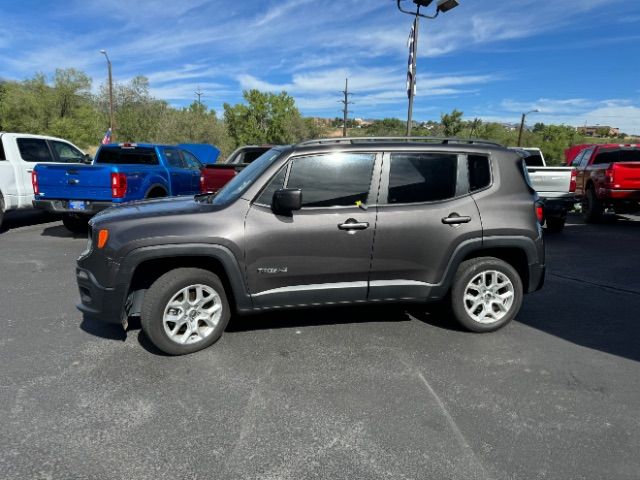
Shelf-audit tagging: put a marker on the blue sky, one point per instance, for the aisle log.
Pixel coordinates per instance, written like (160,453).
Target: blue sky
(575,60)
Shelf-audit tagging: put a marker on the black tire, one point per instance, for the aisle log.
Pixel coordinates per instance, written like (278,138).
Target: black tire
(75,223)
(592,208)
(468,271)
(162,291)
(555,224)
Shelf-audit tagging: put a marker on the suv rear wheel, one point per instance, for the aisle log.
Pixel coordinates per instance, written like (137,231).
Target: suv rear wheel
(486,294)
(185,310)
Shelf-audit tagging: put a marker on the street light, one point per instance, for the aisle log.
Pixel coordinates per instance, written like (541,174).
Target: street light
(113,135)
(442,6)
(524,115)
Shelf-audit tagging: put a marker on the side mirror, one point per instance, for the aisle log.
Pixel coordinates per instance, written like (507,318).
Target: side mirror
(87,159)
(286,200)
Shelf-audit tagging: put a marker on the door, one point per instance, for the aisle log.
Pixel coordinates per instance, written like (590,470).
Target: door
(321,253)
(179,174)
(580,163)
(425,211)
(195,167)
(32,151)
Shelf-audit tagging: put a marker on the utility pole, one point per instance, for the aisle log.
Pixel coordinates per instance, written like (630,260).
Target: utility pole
(111,123)
(199,94)
(345,110)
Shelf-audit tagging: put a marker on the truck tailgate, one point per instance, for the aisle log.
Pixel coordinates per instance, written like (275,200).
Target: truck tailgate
(218,175)
(626,175)
(550,179)
(75,182)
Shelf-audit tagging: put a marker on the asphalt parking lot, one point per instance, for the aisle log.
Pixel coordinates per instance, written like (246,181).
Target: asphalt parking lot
(386,392)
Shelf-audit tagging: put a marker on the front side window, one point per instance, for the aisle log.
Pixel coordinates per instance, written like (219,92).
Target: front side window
(34,150)
(334,180)
(422,177)
(191,161)
(67,153)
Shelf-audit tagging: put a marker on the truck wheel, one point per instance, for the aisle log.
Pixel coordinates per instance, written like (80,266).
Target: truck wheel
(486,294)
(75,223)
(591,207)
(555,224)
(185,310)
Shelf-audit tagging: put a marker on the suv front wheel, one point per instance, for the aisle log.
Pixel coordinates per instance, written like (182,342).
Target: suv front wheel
(185,310)
(486,294)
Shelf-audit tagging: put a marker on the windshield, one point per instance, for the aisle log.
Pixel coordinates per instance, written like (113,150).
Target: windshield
(236,187)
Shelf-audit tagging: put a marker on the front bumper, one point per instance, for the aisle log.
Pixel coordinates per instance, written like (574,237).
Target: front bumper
(98,302)
(62,206)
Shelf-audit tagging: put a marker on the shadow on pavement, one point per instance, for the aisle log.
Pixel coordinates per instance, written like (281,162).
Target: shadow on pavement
(60,231)
(110,331)
(26,218)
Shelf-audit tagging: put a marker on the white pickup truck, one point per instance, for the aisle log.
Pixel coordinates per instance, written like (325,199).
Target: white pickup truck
(19,153)
(556,186)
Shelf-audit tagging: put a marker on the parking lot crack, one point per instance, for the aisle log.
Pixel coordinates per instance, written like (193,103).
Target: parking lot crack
(596,284)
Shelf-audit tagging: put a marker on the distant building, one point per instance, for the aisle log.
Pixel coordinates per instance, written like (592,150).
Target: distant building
(325,122)
(599,131)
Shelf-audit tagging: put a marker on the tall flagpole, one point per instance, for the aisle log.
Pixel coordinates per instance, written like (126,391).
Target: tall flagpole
(411,77)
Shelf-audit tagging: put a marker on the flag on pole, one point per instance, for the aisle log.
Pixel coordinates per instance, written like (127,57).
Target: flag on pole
(411,82)
(107,137)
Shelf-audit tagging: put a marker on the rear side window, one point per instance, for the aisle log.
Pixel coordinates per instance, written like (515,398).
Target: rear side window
(67,153)
(339,179)
(479,172)
(34,150)
(422,177)
(2,157)
(251,155)
(191,161)
(127,156)
(173,158)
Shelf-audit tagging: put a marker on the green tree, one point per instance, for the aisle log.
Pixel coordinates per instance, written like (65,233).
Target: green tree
(452,123)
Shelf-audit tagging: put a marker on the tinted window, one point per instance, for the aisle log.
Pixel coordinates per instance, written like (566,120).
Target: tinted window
(67,153)
(617,155)
(585,158)
(534,160)
(129,156)
(191,161)
(421,177)
(479,172)
(2,157)
(251,155)
(576,161)
(276,183)
(34,150)
(339,179)
(173,158)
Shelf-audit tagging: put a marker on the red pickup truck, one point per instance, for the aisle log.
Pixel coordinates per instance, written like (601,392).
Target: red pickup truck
(608,176)
(217,175)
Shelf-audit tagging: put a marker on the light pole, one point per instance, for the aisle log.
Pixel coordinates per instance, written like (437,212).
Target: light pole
(524,115)
(113,133)
(442,6)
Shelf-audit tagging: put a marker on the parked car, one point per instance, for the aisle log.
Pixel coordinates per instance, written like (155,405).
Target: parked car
(608,176)
(555,185)
(219,174)
(19,153)
(573,151)
(120,173)
(296,228)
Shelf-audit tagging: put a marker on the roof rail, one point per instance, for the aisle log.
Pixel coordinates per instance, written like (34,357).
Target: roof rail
(435,140)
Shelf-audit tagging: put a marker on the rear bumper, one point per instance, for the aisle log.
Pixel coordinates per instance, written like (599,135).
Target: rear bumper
(62,206)
(98,302)
(612,194)
(558,207)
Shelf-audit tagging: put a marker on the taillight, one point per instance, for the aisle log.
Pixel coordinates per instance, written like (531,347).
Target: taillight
(539,212)
(118,185)
(572,183)
(609,175)
(34,182)
(202,183)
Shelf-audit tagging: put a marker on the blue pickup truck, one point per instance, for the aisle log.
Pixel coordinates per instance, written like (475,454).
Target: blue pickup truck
(120,173)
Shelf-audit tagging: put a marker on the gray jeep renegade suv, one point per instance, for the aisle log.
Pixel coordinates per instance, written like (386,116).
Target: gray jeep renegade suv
(325,222)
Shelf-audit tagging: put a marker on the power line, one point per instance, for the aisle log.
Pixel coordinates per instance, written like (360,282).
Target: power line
(346,103)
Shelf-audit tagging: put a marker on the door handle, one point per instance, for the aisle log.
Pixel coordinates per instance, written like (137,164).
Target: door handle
(353,224)
(455,219)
